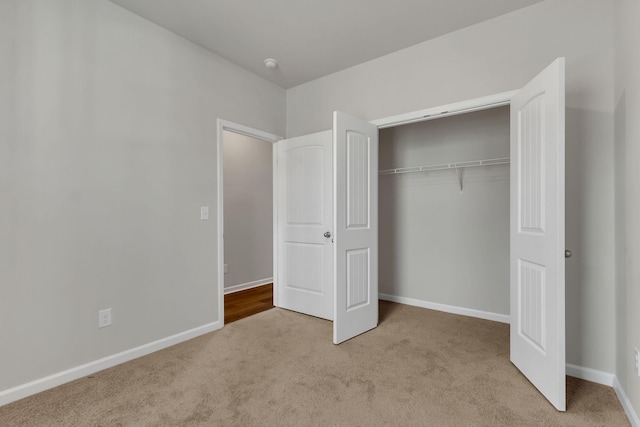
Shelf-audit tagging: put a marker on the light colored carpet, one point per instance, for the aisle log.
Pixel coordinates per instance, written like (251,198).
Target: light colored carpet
(279,368)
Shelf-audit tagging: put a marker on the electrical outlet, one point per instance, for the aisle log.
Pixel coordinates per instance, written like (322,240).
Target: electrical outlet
(104,318)
(204,212)
(637,356)
(226,268)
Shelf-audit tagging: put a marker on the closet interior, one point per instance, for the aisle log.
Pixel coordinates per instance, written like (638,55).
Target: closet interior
(444,211)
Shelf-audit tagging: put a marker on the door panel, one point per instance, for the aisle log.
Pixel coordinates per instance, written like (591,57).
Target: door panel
(305,213)
(537,233)
(356,225)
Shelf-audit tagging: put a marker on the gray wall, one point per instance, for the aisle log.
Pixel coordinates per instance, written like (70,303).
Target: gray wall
(111,151)
(436,243)
(248,209)
(498,55)
(107,151)
(495,56)
(627,153)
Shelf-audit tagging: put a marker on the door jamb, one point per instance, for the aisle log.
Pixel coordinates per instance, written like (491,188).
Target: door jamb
(461,107)
(225,125)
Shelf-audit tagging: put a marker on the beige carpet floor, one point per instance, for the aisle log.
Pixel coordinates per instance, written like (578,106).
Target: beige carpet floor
(279,368)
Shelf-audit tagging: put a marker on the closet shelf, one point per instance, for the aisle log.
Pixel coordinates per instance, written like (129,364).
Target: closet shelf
(443,166)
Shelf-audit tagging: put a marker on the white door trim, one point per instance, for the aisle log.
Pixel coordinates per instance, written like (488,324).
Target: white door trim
(253,133)
(461,107)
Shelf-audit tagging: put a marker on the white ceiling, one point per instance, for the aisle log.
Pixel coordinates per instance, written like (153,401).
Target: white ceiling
(313,38)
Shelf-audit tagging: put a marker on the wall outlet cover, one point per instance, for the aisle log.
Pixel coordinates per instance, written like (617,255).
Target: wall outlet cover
(104,318)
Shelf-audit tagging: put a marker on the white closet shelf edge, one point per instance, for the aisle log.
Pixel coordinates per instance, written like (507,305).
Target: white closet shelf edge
(443,166)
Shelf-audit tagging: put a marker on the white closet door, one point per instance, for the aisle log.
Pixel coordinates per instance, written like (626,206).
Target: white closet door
(305,214)
(356,226)
(537,233)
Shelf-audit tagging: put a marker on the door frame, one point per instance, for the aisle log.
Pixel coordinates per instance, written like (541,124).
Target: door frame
(225,125)
(438,112)
(441,111)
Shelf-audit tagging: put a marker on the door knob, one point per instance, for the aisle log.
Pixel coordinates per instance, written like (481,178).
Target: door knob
(567,253)
(327,234)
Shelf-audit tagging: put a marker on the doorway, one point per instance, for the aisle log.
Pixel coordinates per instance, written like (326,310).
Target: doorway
(444,214)
(245,213)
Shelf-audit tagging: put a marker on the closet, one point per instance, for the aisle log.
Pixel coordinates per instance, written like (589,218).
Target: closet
(455,230)
(444,213)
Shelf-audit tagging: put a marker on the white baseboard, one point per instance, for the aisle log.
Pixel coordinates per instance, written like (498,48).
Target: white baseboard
(609,380)
(589,374)
(249,285)
(42,384)
(626,403)
(502,318)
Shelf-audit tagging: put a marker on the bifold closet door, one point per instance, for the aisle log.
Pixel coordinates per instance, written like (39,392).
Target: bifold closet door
(305,223)
(537,233)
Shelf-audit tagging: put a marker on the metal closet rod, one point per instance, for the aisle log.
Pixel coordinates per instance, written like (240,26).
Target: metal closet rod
(443,166)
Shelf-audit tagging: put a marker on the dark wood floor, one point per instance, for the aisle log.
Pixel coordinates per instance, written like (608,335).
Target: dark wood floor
(239,305)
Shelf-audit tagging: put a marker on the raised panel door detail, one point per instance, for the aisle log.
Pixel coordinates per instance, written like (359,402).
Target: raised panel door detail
(304,272)
(531,294)
(357,278)
(304,264)
(304,185)
(357,180)
(532,166)
(537,284)
(356,226)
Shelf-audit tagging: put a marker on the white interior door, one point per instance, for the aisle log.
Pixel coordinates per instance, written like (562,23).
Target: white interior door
(537,233)
(305,213)
(355,194)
